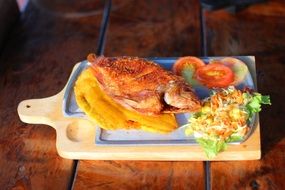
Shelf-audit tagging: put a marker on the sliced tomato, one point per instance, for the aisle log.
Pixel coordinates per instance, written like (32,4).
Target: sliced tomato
(188,62)
(186,67)
(237,66)
(215,75)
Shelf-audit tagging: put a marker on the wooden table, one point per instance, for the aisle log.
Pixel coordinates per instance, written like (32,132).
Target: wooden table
(42,48)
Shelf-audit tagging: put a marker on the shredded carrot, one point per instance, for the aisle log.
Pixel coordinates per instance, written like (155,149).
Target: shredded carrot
(224,115)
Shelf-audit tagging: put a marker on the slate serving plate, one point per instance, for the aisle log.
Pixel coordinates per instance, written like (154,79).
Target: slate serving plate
(139,137)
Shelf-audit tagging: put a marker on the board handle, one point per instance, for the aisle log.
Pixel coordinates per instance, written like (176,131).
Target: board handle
(40,111)
(46,111)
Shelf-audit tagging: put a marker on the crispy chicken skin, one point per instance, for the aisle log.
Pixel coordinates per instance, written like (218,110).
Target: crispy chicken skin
(143,85)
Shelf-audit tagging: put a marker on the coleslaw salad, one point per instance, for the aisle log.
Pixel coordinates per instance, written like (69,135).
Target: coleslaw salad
(224,117)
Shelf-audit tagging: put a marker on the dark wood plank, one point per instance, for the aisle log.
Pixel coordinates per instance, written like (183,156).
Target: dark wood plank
(257,30)
(36,63)
(154,28)
(148,28)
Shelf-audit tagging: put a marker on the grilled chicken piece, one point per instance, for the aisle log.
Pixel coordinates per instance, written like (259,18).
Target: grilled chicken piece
(143,85)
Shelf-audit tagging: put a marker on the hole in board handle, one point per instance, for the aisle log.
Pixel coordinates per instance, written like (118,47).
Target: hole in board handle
(28,106)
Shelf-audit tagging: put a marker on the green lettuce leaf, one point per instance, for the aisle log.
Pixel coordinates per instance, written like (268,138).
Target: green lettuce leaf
(212,147)
(234,138)
(254,105)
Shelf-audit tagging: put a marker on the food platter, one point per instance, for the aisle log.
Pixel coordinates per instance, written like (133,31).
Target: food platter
(76,135)
(138,137)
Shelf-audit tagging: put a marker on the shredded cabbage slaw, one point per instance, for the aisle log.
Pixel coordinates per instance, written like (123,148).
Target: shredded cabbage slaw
(225,117)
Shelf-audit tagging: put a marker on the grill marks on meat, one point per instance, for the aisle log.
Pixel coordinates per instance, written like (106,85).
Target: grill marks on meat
(143,85)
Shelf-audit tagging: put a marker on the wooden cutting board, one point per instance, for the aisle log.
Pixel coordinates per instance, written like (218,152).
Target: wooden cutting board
(75,137)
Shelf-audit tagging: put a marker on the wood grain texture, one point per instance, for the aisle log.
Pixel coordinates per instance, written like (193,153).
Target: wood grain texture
(36,62)
(139,175)
(154,28)
(257,30)
(148,28)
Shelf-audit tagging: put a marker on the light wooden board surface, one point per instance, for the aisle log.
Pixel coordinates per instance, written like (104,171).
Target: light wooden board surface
(76,138)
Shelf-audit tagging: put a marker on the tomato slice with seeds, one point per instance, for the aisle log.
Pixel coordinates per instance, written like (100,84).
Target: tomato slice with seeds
(186,67)
(238,67)
(215,75)
(188,62)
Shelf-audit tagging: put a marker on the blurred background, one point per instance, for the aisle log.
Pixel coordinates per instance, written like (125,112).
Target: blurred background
(41,41)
